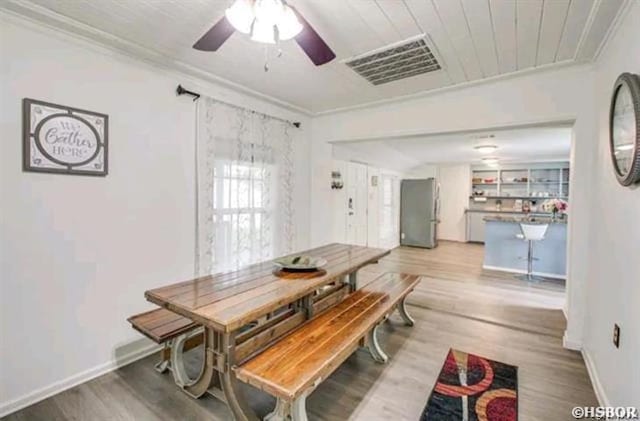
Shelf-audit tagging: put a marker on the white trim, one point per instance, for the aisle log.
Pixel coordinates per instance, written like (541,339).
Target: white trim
(543,274)
(603,399)
(31,398)
(566,120)
(48,21)
(45,19)
(469,84)
(571,344)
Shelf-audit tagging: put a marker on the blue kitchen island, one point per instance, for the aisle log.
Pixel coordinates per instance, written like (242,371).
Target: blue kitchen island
(505,251)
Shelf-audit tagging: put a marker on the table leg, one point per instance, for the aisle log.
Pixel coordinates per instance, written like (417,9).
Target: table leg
(207,376)
(406,317)
(234,396)
(353,281)
(295,410)
(163,365)
(307,305)
(178,370)
(374,346)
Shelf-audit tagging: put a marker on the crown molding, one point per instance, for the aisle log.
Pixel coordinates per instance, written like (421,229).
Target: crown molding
(560,121)
(498,78)
(46,20)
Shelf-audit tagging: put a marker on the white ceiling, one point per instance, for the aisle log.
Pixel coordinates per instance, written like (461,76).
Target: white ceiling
(410,153)
(475,39)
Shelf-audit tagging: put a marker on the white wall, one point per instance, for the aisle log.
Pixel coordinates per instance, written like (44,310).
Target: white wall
(454,198)
(77,253)
(604,232)
(339,199)
(554,95)
(423,171)
(564,94)
(613,293)
(337,204)
(54,251)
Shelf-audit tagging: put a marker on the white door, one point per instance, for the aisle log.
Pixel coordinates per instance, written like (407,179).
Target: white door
(356,184)
(389,231)
(373,207)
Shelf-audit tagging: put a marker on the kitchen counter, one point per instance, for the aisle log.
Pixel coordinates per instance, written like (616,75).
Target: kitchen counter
(506,252)
(506,211)
(518,219)
(475,220)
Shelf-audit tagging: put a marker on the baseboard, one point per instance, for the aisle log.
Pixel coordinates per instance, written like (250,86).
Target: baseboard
(571,344)
(7,408)
(543,274)
(603,400)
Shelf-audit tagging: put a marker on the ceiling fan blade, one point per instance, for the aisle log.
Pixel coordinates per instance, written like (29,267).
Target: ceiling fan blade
(216,36)
(312,44)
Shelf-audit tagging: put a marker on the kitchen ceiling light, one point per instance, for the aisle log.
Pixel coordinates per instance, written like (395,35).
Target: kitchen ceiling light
(490,161)
(485,148)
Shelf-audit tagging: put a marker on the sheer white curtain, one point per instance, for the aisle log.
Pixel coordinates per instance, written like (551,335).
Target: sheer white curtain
(245,184)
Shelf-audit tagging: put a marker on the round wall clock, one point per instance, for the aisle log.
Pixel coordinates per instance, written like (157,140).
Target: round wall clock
(624,129)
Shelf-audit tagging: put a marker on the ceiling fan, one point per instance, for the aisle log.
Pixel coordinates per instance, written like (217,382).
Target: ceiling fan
(267,21)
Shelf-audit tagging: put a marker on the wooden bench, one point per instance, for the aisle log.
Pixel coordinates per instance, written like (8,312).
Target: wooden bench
(178,334)
(294,366)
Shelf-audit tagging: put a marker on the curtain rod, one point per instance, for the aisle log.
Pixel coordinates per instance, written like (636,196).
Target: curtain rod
(182,91)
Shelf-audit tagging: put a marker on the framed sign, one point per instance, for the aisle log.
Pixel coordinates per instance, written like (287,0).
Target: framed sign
(60,139)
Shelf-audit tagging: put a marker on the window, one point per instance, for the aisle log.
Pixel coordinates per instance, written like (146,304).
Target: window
(241,214)
(245,187)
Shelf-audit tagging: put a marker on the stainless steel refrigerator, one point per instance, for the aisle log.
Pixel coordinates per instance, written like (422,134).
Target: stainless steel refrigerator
(419,212)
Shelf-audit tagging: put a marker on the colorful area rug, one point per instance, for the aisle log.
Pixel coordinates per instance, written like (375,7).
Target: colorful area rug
(472,388)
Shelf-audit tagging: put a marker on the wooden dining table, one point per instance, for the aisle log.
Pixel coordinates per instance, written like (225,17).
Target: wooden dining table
(245,311)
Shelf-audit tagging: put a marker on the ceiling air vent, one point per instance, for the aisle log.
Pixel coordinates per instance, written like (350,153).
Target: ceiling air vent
(399,61)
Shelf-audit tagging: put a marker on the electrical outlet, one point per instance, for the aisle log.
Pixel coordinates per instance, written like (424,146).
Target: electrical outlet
(616,335)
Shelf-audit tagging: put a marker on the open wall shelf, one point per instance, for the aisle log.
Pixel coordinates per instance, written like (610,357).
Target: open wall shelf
(525,181)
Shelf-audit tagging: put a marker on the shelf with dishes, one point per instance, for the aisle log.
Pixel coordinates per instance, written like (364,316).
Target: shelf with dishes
(524,181)
(519,197)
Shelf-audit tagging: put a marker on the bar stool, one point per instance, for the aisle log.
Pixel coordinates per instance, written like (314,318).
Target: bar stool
(531,232)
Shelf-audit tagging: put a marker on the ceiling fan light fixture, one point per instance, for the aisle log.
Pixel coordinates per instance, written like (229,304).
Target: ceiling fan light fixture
(263,32)
(269,12)
(241,15)
(289,25)
(267,21)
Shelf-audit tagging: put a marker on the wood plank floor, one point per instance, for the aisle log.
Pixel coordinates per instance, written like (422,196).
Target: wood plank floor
(457,305)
